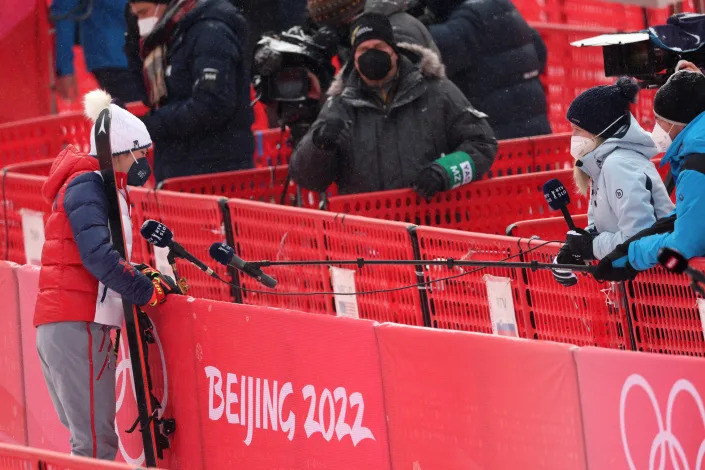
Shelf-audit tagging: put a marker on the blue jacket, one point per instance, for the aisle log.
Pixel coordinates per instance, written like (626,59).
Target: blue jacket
(495,58)
(204,125)
(687,158)
(102,34)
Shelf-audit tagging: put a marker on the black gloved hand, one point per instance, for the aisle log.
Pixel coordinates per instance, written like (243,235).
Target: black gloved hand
(332,134)
(566,277)
(430,181)
(606,271)
(579,242)
(163,285)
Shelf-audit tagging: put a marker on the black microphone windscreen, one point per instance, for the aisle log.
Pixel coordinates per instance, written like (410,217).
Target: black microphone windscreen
(156,233)
(221,253)
(556,195)
(672,260)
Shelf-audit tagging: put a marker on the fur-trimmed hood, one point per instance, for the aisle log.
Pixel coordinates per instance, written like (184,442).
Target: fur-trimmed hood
(427,61)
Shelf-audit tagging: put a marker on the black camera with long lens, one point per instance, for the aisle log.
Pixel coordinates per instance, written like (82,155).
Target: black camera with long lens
(293,70)
(651,56)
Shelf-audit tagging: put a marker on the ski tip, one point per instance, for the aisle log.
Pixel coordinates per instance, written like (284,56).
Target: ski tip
(95,102)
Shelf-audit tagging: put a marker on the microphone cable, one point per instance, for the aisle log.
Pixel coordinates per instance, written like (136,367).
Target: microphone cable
(389,290)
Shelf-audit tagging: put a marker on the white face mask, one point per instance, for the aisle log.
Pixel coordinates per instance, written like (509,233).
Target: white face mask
(146,25)
(661,138)
(581,146)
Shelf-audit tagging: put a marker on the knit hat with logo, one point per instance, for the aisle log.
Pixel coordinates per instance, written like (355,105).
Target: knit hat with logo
(372,26)
(127,132)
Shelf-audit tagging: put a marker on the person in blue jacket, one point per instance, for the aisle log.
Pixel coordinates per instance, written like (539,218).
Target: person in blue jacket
(101,31)
(495,58)
(191,57)
(679,108)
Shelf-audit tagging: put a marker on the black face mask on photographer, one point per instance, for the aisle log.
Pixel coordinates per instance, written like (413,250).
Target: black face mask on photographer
(374,64)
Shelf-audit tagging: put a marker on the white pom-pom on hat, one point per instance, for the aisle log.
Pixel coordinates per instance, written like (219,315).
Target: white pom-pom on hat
(127,132)
(95,102)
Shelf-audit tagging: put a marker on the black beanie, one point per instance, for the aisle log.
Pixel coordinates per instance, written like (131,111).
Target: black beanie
(681,98)
(372,26)
(601,107)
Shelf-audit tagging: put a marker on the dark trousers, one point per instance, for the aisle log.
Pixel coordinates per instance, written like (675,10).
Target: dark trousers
(120,83)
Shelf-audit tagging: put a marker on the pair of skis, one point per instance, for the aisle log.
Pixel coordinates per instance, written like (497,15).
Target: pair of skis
(138,326)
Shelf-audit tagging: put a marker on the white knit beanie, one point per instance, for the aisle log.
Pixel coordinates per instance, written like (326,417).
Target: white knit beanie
(127,132)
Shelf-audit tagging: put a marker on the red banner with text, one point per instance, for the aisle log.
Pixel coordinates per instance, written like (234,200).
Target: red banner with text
(642,410)
(265,388)
(472,401)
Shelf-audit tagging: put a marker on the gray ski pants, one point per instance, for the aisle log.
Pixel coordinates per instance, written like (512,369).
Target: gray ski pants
(79,369)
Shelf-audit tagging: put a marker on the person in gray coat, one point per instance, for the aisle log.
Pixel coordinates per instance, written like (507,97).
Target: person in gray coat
(613,161)
(393,123)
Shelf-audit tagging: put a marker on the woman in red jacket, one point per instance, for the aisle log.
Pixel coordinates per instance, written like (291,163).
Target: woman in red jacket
(83,280)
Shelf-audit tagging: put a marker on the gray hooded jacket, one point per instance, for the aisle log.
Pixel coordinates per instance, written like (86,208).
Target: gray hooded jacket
(406,27)
(627,193)
(391,143)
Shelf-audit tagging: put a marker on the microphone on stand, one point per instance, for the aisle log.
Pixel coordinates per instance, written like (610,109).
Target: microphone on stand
(225,255)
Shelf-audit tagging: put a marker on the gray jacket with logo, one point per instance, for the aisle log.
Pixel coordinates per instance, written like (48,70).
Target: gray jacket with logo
(391,143)
(627,193)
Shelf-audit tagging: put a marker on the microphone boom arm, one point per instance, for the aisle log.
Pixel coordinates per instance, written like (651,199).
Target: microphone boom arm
(450,263)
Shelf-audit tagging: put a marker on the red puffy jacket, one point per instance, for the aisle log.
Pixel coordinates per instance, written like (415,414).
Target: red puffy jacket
(83,278)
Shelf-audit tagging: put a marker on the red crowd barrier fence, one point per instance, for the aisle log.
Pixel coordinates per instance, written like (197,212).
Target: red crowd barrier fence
(37,138)
(665,313)
(19,457)
(259,184)
(550,228)
(484,206)
(196,222)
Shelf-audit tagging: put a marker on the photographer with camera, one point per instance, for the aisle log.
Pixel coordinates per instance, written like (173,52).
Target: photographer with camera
(191,56)
(393,122)
(679,108)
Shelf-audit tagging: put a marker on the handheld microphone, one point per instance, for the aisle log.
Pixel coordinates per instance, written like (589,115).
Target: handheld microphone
(225,255)
(558,198)
(159,235)
(675,262)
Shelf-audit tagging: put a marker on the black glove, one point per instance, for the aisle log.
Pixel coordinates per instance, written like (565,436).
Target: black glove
(580,242)
(332,134)
(605,271)
(430,181)
(565,277)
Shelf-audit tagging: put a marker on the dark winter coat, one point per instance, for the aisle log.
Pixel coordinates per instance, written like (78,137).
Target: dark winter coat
(406,27)
(391,144)
(495,58)
(204,127)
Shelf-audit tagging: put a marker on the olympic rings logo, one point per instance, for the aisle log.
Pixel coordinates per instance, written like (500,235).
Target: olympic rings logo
(665,437)
(124,372)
